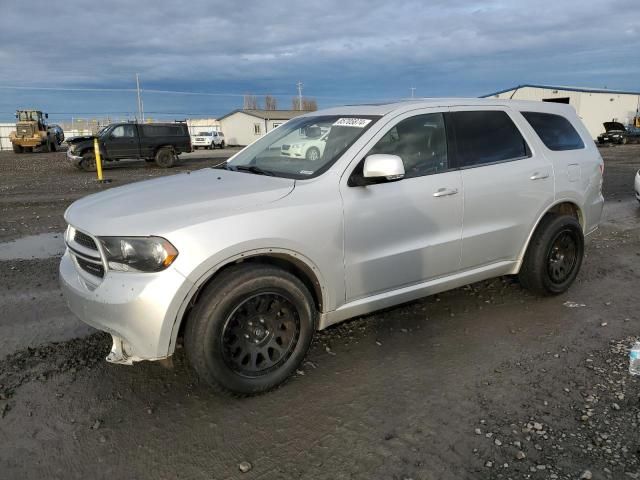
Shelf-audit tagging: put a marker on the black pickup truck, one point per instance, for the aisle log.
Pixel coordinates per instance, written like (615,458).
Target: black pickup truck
(159,142)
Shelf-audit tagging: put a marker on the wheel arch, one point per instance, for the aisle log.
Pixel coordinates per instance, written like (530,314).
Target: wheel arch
(160,147)
(561,207)
(292,262)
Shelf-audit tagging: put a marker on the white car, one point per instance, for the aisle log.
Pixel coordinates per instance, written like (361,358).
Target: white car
(637,185)
(308,148)
(208,140)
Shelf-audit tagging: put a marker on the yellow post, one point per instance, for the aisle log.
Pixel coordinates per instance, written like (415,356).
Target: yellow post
(96,150)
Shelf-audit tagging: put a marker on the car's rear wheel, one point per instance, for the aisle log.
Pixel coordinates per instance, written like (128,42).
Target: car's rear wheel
(53,145)
(88,162)
(165,157)
(250,329)
(554,255)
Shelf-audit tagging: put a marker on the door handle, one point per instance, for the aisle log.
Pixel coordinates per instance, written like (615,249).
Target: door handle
(443,192)
(539,176)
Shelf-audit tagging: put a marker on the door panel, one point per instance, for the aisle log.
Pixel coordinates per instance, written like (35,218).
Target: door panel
(408,231)
(502,200)
(123,142)
(399,233)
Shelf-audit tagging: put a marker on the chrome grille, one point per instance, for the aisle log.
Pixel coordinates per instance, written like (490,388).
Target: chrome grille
(90,267)
(87,256)
(84,240)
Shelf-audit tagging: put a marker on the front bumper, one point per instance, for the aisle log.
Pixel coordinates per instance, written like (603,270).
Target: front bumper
(139,310)
(75,159)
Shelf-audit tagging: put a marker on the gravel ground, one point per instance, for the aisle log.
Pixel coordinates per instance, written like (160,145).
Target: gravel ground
(486,381)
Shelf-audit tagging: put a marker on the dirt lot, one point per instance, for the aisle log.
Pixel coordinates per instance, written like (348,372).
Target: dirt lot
(483,382)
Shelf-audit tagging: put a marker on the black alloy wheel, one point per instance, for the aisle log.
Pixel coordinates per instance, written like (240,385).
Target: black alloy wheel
(260,334)
(562,257)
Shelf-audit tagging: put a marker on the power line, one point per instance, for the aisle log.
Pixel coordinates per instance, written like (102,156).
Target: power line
(157,91)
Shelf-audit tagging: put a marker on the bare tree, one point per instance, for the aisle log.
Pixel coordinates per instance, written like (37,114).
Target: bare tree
(270,103)
(308,104)
(250,102)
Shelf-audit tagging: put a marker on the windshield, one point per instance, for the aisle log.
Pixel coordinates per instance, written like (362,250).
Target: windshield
(303,147)
(28,116)
(204,134)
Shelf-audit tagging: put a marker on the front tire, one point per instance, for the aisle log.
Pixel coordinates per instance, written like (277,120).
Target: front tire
(17,148)
(250,329)
(88,162)
(313,154)
(554,255)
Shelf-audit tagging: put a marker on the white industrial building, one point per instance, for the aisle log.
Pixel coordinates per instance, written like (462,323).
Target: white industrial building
(594,106)
(242,127)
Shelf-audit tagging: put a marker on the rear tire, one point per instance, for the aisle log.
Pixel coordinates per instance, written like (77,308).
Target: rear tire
(165,157)
(54,146)
(17,148)
(554,255)
(250,329)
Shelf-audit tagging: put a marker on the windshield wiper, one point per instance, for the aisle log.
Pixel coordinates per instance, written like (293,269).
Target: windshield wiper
(250,168)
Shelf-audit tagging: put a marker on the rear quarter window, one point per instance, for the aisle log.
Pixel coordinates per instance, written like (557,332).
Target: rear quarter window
(163,130)
(555,131)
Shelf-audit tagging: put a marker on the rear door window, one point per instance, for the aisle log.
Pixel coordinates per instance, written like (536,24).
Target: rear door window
(555,131)
(485,137)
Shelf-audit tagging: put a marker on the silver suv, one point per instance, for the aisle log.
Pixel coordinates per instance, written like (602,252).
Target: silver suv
(406,200)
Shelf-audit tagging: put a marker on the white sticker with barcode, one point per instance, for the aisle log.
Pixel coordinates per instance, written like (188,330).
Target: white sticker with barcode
(352,122)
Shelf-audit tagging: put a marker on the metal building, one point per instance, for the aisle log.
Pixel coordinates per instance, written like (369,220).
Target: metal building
(594,105)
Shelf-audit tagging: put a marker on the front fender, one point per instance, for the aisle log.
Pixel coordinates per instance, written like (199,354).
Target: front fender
(208,270)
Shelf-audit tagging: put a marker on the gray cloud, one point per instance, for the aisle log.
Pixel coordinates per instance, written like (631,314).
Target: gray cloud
(335,46)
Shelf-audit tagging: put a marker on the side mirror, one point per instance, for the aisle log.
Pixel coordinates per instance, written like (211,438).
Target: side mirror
(383,167)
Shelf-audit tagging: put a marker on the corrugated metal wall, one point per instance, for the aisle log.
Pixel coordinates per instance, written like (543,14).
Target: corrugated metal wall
(5,129)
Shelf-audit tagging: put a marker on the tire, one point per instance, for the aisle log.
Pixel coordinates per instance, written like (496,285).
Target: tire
(227,317)
(222,145)
(88,162)
(554,255)
(624,141)
(165,157)
(54,146)
(17,148)
(313,154)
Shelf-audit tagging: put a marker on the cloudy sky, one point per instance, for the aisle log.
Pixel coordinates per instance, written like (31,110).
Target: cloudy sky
(87,53)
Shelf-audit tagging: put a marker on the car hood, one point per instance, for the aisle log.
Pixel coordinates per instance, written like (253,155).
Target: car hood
(614,127)
(163,205)
(83,138)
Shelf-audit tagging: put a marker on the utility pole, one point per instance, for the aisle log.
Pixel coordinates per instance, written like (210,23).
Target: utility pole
(140,107)
(299,95)
(413,92)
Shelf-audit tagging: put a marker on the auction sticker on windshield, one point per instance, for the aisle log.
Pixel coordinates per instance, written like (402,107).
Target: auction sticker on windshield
(352,122)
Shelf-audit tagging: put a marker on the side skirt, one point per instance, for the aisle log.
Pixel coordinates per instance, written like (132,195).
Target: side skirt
(409,293)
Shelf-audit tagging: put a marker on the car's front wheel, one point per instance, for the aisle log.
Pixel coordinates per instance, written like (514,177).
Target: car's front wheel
(250,329)
(313,154)
(88,162)
(554,255)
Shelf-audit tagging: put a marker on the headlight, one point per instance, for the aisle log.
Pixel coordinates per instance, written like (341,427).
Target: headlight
(138,254)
